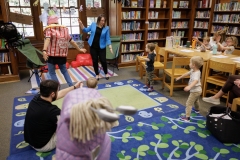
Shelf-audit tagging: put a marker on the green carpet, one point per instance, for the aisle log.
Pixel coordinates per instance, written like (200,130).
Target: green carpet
(123,95)
(128,95)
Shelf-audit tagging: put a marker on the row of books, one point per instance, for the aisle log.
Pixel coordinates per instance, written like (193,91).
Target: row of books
(202,14)
(158,4)
(130,57)
(205,4)
(132,3)
(133,25)
(231,30)
(200,34)
(154,25)
(131,15)
(132,36)
(182,4)
(176,14)
(4,57)
(231,6)
(153,35)
(180,24)
(152,15)
(232,18)
(130,47)
(178,33)
(200,24)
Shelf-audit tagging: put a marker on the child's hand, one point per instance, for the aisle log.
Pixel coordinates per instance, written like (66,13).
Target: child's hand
(186,89)
(178,78)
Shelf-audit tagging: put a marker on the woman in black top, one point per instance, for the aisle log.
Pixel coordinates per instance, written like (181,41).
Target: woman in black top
(98,40)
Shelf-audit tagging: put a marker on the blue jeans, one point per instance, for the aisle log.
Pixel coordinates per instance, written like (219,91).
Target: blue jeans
(62,67)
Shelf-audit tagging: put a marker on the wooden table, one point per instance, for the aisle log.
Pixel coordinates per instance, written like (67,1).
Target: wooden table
(178,51)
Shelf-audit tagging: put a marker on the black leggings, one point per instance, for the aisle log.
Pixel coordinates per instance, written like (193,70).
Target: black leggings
(234,91)
(101,53)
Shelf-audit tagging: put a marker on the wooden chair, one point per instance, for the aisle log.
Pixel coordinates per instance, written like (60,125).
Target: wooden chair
(157,66)
(236,52)
(235,104)
(217,79)
(176,72)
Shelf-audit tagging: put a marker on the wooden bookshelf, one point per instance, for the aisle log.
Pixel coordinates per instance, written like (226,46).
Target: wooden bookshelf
(202,18)
(11,64)
(224,13)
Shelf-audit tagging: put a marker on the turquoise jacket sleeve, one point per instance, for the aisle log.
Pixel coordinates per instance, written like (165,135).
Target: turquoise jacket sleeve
(108,40)
(88,29)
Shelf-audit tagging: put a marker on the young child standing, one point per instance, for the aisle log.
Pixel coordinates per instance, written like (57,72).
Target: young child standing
(231,44)
(194,86)
(150,47)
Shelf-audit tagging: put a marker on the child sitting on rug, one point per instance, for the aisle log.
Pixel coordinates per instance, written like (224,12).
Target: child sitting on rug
(92,82)
(150,47)
(194,86)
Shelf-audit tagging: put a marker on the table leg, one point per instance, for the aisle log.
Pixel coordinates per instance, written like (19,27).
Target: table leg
(137,64)
(203,73)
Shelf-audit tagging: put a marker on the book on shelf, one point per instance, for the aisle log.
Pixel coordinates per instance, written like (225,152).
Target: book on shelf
(205,3)
(130,47)
(178,33)
(154,25)
(179,24)
(231,6)
(158,3)
(175,4)
(201,24)
(134,3)
(127,3)
(202,14)
(200,34)
(152,14)
(140,3)
(183,4)
(130,57)
(131,15)
(176,14)
(151,4)
(132,36)
(133,25)
(226,18)
(153,35)
(4,57)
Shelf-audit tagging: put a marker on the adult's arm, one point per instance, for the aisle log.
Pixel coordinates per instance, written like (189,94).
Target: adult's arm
(45,46)
(74,44)
(84,29)
(63,92)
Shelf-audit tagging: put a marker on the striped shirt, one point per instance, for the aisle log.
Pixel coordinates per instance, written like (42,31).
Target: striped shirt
(59,38)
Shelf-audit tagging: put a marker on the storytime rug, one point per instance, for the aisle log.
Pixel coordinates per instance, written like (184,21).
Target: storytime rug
(154,132)
(77,74)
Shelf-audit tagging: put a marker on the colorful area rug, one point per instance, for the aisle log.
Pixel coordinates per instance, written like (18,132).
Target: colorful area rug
(77,74)
(155,132)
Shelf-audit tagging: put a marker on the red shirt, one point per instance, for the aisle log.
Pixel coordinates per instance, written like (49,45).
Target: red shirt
(59,39)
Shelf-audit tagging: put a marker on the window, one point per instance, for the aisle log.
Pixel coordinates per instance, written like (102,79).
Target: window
(67,10)
(92,3)
(22,7)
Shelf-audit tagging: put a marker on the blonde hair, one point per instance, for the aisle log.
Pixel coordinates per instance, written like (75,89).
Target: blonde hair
(151,46)
(85,123)
(221,33)
(207,39)
(234,40)
(92,82)
(197,61)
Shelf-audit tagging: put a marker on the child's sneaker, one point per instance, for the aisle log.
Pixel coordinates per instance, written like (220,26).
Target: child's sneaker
(211,100)
(150,89)
(184,118)
(146,86)
(194,110)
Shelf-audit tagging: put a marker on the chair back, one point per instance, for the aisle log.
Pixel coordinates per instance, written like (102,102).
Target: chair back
(236,52)
(115,40)
(180,61)
(221,66)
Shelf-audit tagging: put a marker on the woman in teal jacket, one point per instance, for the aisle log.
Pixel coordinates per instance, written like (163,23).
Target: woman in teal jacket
(98,40)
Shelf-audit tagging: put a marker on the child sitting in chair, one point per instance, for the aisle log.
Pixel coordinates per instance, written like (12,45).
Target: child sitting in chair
(231,44)
(205,45)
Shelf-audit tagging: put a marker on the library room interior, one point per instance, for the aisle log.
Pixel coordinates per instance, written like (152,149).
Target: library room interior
(119,79)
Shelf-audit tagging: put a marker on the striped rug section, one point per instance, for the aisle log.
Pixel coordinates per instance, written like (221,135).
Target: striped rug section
(77,74)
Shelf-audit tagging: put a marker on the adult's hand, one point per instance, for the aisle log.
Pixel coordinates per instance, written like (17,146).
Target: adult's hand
(237,82)
(79,21)
(111,50)
(45,56)
(83,50)
(79,84)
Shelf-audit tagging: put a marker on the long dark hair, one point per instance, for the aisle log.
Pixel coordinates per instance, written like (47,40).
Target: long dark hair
(99,19)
